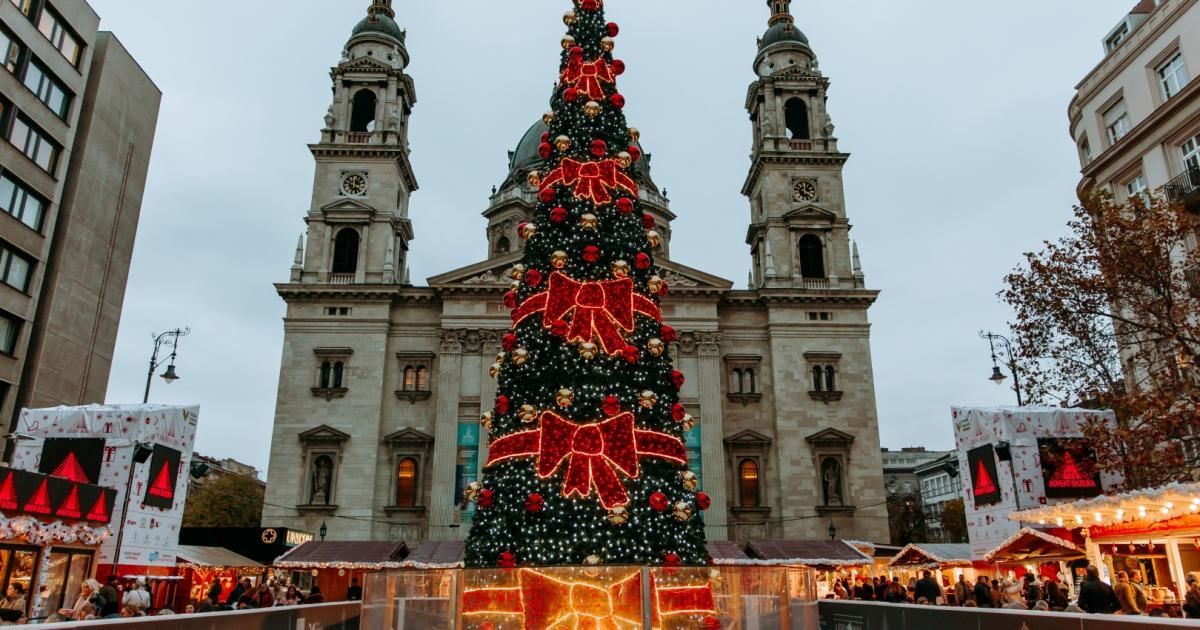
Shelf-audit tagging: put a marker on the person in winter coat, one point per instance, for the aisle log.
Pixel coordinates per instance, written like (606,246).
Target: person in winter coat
(1011,592)
(983,593)
(1032,590)
(1126,595)
(1096,597)
(1139,588)
(1191,601)
(963,592)
(1056,596)
(928,588)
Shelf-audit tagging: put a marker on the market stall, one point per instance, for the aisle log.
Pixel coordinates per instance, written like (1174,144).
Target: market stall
(946,561)
(832,559)
(200,567)
(1152,535)
(334,566)
(1046,554)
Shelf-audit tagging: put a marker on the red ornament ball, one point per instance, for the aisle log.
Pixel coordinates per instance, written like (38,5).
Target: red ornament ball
(634,152)
(658,502)
(534,503)
(613,29)
(523,225)
(669,335)
(591,253)
(510,299)
(506,560)
(571,95)
(599,148)
(547,195)
(678,411)
(703,501)
(508,342)
(648,221)
(624,205)
(486,497)
(678,379)
(545,136)
(631,354)
(545,149)
(589,5)
(617,101)
(671,560)
(558,215)
(618,67)
(533,277)
(641,261)
(611,405)
(576,53)
(560,328)
(503,403)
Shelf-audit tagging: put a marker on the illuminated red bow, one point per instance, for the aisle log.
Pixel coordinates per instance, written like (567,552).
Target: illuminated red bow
(594,453)
(592,180)
(597,309)
(549,602)
(587,77)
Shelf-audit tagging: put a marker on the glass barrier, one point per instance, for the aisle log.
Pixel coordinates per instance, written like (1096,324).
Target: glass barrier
(602,597)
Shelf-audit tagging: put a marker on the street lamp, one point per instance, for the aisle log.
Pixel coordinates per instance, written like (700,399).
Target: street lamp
(832,531)
(1010,362)
(159,341)
(324,530)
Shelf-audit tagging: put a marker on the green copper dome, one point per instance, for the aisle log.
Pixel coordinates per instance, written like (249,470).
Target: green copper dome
(526,157)
(782,32)
(381,24)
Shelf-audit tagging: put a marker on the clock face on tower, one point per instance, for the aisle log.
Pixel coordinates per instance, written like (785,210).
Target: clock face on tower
(804,190)
(354,184)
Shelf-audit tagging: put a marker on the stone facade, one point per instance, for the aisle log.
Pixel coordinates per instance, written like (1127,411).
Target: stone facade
(382,382)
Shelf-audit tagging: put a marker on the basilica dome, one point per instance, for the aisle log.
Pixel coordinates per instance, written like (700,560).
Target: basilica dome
(379,23)
(782,32)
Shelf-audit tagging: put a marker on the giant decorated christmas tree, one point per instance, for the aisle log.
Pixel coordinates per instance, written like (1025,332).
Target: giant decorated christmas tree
(586,463)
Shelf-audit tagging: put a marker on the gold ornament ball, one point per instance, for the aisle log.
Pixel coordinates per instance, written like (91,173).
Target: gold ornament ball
(654,238)
(588,350)
(618,516)
(607,44)
(520,356)
(589,221)
(562,143)
(683,511)
(486,420)
(535,179)
(500,358)
(528,231)
(592,560)
(648,399)
(568,42)
(654,284)
(494,371)
(517,272)
(515,285)
(548,117)
(471,492)
(620,269)
(565,397)
(690,481)
(624,159)
(634,134)
(558,259)
(656,347)
(527,413)
(688,423)
(569,17)
(591,109)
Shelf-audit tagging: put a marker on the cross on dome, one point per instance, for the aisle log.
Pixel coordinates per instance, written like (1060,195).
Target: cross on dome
(780,11)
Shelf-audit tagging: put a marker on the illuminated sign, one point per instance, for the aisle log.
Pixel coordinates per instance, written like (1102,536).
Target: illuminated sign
(296,538)
(35,494)
(1069,468)
(77,459)
(164,472)
(982,465)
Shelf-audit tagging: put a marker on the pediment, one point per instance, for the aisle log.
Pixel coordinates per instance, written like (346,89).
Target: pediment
(348,207)
(796,72)
(409,436)
(324,433)
(748,438)
(361,64)
(830,437)
(491,273)
(681,277)
(811,212)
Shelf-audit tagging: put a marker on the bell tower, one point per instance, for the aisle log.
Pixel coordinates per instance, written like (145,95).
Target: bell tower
(358,225)
(799,234)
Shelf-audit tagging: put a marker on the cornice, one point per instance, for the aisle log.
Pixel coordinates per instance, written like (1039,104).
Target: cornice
(344,150)
(789,158)
(362,293)
(1119,151)
(770,297)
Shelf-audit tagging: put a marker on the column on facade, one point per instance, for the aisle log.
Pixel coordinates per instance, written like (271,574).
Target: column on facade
(364,255)
(445,439)
(487,399)
(712,438)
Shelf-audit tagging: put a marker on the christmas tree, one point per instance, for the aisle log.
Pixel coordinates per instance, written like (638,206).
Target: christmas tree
(586,463)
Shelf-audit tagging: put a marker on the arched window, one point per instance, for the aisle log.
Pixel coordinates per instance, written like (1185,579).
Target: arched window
(338,368)
(503,246)
(812,256)
(750,382)
(406,483)
(738,384)
(830,379)
(748,483)
(410,378)
(422,379)
(796,114)
(326,370)
(345,251)
(818,378)
(362,118)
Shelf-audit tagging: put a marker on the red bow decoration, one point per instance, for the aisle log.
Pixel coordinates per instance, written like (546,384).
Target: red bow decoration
(592,180)
(587,77)
(548,602)
(594,453)
(599,310)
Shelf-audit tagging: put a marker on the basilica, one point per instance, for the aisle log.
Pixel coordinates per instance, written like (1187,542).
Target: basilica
(383,380)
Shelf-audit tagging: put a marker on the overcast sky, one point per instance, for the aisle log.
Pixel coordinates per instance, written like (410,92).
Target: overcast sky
(954,113)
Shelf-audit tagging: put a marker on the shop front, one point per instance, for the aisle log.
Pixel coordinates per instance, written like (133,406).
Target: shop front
(945,561)
(333,567)
(832,560)
(1046,554)
(201,567)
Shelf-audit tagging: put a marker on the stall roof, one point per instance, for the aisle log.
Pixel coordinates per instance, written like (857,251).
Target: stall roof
(927,554)
(726,552)
(1142,506)
(213,557)
(1032,544)
(811,553)
(436,555)
(317,554)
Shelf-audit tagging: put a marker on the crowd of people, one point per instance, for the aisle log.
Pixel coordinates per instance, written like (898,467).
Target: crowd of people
(1126,596)
(114,600)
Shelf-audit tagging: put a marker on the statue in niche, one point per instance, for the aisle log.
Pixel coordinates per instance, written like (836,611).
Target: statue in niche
(831,474)
(330,119)
(322,474)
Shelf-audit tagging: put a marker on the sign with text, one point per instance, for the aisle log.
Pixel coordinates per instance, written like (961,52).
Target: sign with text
(1069,468)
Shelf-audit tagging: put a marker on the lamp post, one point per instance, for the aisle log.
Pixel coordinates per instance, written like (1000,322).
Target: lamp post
(832,531)
(1010,362)
(159,341)
(324,530)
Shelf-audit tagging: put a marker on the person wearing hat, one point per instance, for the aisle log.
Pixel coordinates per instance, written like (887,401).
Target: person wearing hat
(1191,602)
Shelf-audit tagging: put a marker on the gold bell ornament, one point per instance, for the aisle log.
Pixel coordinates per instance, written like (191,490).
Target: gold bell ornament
(558,259)
(565,397)
(624,159)
(568,42)
(683,511)
(589,221)
(656,347)
(527,413)
(562,143)
(654,238)
(588,350)
(618,516)
(654,283)
(569,17)
(648,399)
(591,109)
(620,269)
(690,481)
(520,356)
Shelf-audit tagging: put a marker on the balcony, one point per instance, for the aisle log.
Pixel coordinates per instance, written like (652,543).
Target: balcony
(358,137)
(1185,190)
(341,278)
(816,283)
(800,145)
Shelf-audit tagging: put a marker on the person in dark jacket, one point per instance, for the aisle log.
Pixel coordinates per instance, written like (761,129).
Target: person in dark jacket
(354,593)
(1056,596)
(1033,590)
(314,596)
(214,591)
(928,588)
(983,593)
(1096,597)
(109,590)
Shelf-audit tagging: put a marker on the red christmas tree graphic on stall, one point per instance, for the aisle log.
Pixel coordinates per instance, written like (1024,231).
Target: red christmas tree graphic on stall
(1068,475)
(99,511)
(162,486)
(70,505)
(984,485)
(8,493)
(70,468)
(39,503)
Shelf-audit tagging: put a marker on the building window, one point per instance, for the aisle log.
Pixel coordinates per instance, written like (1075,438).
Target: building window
(1085,152)
(1116,122)
(812,256)
(14,269)
(338,311)
(55,30)
(345,251)
(503,246)
(333,372)
(18,200)
(1172,76)
(745,376)
(822,316)
(23,6)
(822,368)
(362,118)
(9,327)
(818,379)
(796,115)
(1191,153)
(48,88)
(1116,37)
(415,370)
(406,483)
(34,143)
(1136,187)
(748,486)
(10,48)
